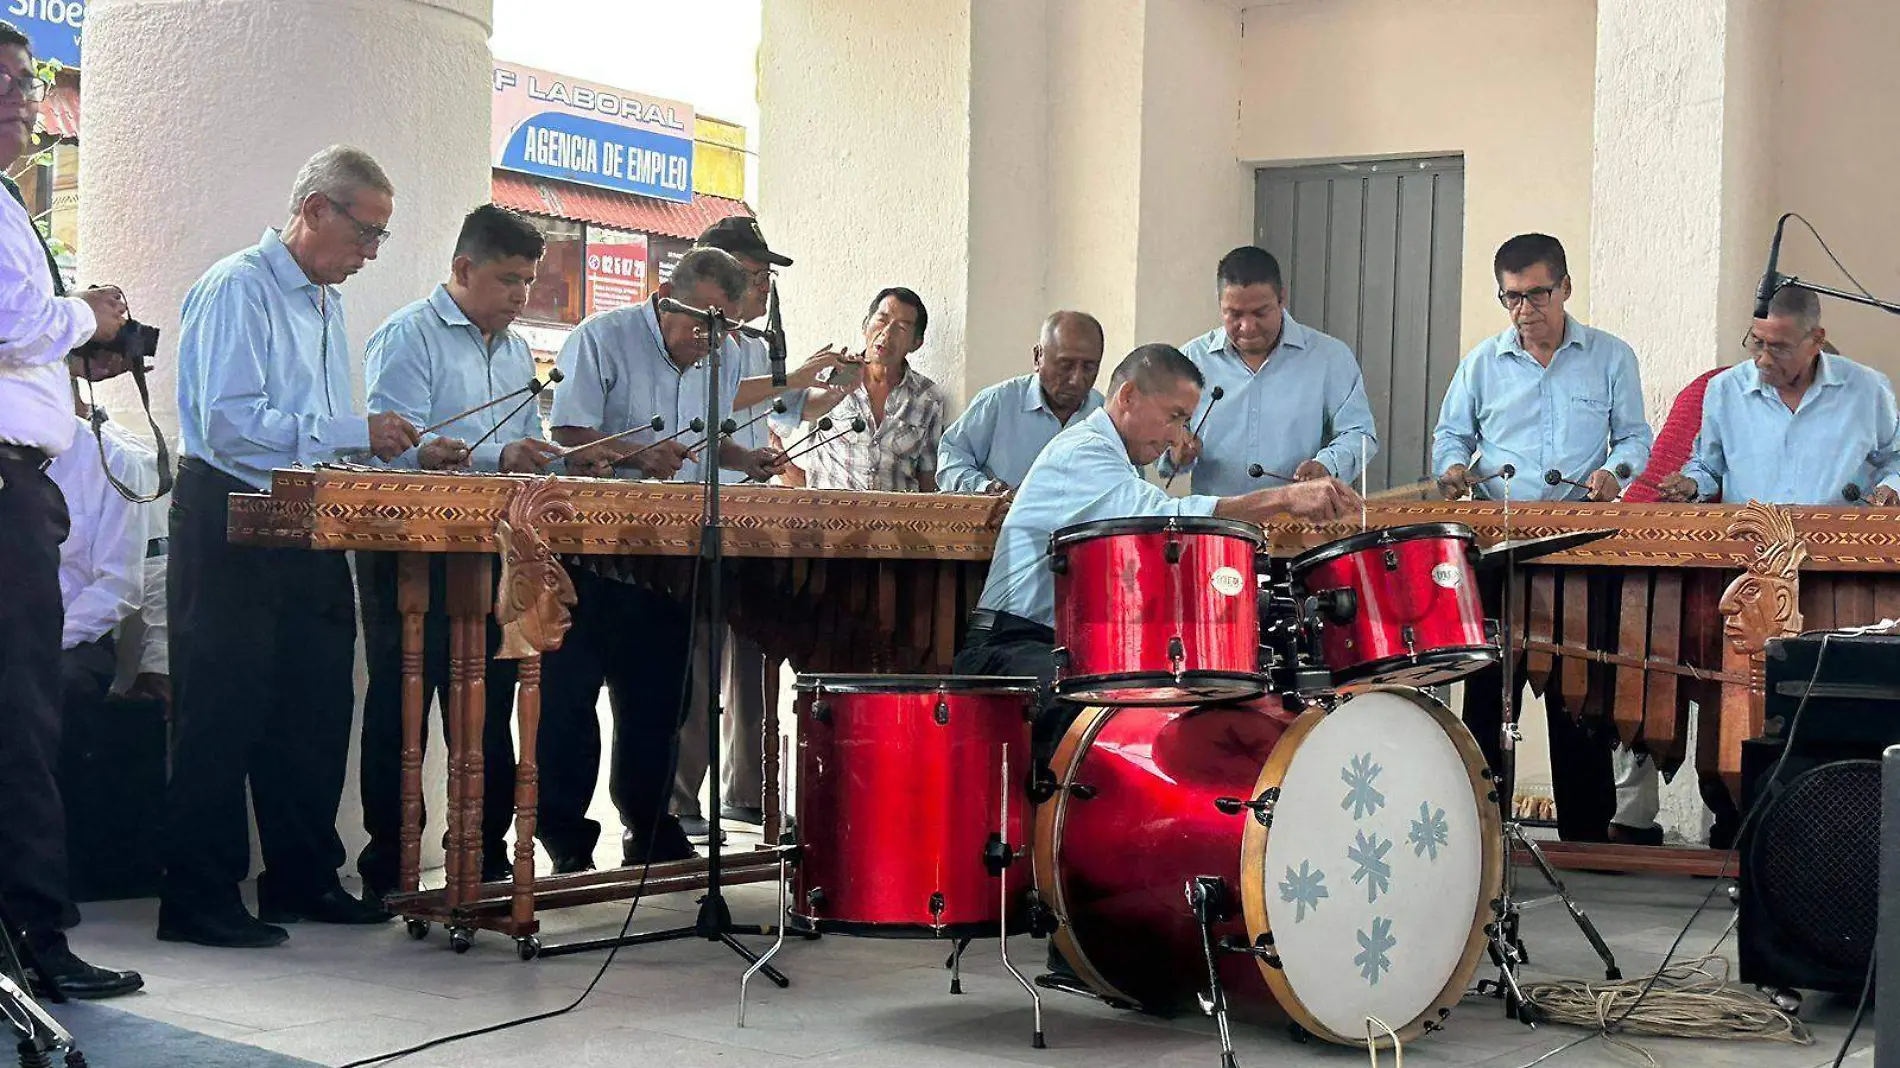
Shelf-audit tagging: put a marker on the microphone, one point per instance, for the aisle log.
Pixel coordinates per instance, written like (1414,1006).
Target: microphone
(1216,394)
(1771,280)
(668,304)
(775,337)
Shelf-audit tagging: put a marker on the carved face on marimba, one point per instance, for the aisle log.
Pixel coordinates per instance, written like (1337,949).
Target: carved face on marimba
(1757,608)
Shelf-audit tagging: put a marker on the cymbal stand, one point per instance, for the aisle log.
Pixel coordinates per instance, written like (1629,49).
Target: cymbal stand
(40,1036)
(1506,945)
(1010,856)
(784,884)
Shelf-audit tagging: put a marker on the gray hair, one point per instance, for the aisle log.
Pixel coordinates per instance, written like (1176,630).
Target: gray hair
(338,172)
(1077,319)
(709,265)
(1801,305)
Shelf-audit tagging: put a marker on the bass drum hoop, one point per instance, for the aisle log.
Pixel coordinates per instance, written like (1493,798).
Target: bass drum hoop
(1045,866)
(1253,857)
(1002,685)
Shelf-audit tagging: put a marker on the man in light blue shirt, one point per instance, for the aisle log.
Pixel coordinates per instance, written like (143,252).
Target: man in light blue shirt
(1548,395)
(1793,424)
(431,361)
(1293,400)
(991,445)
(1091,471)
(620,369)
(264,640)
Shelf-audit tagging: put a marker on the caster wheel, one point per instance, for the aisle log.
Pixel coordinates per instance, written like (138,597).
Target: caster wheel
(1734,893)
(528,948)
(1787,1001)
(460,939)
(418,929)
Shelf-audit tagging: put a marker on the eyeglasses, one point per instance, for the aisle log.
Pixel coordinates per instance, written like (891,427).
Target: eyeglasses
(368,236)
(1755,346)
(1538,297)
(32,87)
(762,275)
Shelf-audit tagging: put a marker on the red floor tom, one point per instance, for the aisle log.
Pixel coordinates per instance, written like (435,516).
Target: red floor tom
(899,797)
(1157,611)
(1398,605)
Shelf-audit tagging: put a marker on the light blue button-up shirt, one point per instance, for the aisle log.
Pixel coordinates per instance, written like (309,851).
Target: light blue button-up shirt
(264,368)
(1307,402)
(755,361)
(1000,434)
(1084,475)
(617,375)
(428,362)
(1580,415)
(1753,448)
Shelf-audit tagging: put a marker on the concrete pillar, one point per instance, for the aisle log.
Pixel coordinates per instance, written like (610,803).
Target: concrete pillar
(1679,198)
(183,163)
(187,160)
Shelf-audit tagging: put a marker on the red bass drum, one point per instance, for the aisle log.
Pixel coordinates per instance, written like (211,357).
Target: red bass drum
(1398,605)
(900,791)
(1157,611)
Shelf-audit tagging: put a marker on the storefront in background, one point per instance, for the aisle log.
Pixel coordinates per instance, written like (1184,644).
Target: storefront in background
(619,183)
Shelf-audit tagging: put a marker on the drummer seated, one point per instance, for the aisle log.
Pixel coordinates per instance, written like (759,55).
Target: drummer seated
(1092,471)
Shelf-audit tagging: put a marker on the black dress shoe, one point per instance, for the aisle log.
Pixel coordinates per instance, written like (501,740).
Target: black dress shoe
(695,826)
(742,814)
(571,849)
(334,905)
(669,844)
(225,928)
(59,968)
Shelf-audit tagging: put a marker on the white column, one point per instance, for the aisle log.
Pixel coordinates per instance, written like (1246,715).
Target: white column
(1679,196)
(185,160)
(197,116)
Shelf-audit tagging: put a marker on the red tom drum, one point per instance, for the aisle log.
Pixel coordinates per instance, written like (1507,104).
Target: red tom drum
(1398,605)
(1157,611)
(900,798)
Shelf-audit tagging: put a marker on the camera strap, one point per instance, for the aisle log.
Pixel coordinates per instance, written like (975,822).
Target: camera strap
(165,476)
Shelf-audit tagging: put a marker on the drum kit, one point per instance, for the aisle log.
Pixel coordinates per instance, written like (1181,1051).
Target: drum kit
(1255,809)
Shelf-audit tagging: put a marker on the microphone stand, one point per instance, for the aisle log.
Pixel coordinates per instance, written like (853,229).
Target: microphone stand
(714,921)
(1788,281)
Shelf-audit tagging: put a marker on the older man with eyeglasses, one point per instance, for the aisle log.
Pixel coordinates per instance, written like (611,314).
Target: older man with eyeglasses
(264,640)
(1792,423)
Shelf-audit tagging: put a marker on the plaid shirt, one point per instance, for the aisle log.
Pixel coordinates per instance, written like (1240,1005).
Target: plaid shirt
(891,454)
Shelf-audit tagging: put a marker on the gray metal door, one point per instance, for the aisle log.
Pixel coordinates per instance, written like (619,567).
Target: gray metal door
(1373,255)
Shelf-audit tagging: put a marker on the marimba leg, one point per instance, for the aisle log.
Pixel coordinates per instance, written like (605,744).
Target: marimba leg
(412,599)
(470,597)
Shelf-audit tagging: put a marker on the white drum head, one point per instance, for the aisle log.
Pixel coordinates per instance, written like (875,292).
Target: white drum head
(1378,870)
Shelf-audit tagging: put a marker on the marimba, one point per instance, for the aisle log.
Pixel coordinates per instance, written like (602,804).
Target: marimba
(831,581)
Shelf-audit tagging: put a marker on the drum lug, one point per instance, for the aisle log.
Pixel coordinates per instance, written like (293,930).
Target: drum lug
(1171,552)
(937,904)
(943,711)
(1081,792)
(1391,559)
(815,898)
(821,711)
(1262,949)
(1042,918)
(1261,807)
(1061,655)
(1058,563)
(1042,785)
(1177,656)
(997,856)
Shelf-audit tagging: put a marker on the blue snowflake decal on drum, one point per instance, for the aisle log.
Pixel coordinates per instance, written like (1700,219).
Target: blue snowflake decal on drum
(1305,888)
(1361,797)
(1369,853)
(1373,958)
(1429,831)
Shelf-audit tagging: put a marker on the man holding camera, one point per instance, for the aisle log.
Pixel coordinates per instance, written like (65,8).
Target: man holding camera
(38,329)
(263,640)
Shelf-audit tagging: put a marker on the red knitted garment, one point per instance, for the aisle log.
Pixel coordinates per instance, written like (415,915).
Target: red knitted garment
(1676,442)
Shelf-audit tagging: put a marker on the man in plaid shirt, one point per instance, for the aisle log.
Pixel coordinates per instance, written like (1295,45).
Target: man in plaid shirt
(903,411)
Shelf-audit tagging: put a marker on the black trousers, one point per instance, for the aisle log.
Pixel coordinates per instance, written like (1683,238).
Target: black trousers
(1582,776)
(263,645)
(379,761)
(638,644)
(33,523)
(1012,645)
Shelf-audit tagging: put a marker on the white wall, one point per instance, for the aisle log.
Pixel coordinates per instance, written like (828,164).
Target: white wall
(1506,84)
(864,169)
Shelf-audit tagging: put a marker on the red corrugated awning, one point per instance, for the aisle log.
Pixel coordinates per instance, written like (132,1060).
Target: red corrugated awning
(604,207)
(59,112)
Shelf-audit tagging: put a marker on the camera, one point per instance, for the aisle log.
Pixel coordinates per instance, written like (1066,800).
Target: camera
(131,349)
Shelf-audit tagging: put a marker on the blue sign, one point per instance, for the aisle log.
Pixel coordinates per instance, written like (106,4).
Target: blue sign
(53,26)
(575,148)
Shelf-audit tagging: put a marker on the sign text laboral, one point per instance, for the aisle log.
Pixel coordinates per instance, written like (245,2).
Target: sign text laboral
(553,126)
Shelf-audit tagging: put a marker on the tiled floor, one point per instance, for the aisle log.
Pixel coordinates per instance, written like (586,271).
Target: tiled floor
(332,995)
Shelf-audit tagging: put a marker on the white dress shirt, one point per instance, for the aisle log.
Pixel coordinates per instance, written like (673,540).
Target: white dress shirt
(144,643)
(37,330)
(101,563)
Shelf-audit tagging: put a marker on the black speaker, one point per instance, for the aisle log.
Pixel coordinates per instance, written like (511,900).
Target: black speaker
(1810,856)
(1887,1013)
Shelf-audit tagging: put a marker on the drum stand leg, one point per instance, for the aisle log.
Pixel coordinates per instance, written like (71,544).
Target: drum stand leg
(1207,896)
(1577,915)
(1036,1040)
(955,964)
(779,943)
